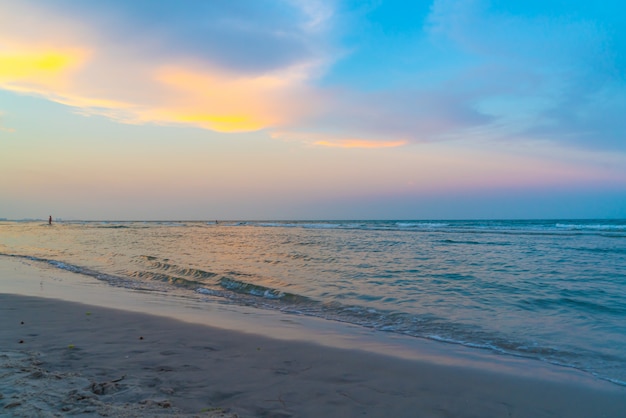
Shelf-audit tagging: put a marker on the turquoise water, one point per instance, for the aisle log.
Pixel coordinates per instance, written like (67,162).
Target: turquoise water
(552,290)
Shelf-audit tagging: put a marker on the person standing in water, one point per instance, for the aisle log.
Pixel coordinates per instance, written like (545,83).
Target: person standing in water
(50,220)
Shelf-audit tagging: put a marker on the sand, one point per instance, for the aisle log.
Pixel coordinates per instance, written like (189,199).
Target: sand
(62,358)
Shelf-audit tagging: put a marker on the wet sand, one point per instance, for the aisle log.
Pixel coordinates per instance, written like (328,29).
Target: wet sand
(60,358)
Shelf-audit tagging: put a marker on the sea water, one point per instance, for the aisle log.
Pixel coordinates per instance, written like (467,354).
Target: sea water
(551,290)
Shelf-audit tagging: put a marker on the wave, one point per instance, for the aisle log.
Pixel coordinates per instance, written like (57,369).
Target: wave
(114,280)
(262,291)
(468,242)
(577,304)
(471,226)
(114,226)
(426,225)
(605,227)
(154,263)
(592,226)
(165,278)
(243,289)
(206,282)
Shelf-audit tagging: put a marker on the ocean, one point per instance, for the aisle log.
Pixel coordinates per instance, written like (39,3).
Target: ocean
(550,290)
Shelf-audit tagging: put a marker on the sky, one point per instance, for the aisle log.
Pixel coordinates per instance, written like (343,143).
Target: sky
(312,109)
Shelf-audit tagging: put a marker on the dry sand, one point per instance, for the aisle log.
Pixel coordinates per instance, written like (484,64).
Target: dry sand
(60,358)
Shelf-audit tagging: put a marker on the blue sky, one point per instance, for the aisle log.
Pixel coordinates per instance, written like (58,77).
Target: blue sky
(312,109)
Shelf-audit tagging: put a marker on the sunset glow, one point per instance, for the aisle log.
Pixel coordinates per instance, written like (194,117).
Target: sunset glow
(311,110)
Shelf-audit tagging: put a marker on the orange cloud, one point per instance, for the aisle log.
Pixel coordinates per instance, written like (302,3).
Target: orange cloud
(360,143)
(325,140)
(222,102)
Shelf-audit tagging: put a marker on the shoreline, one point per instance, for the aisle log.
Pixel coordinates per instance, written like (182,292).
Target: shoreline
(222,362)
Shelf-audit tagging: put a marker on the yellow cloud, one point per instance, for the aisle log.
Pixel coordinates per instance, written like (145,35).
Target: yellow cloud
(24,65)
(38,69)
(48,71)
(223,123)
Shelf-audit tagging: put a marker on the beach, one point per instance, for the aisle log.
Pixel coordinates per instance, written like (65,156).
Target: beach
(60,357)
